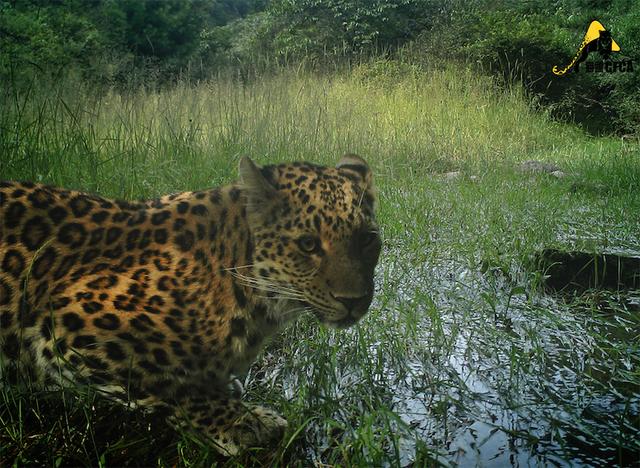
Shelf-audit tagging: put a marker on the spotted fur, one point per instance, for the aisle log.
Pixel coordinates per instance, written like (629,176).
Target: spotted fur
(159,303)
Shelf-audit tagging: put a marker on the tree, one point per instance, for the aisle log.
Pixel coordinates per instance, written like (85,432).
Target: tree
(349,26)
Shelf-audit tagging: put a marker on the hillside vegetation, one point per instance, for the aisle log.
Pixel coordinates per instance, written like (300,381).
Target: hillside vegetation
(120,43)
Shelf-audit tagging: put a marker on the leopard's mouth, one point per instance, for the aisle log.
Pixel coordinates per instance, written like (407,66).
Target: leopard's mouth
(343,322)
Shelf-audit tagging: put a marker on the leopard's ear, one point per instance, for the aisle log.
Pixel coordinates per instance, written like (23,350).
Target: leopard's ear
(355,164)
(261,195)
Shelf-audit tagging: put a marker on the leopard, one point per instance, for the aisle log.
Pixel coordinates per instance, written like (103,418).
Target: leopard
(161,303)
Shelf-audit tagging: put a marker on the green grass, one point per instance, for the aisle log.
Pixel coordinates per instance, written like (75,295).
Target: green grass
(462,353)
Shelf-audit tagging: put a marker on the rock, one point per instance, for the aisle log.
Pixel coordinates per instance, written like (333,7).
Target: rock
(538,167)
(452,175)
(558,174)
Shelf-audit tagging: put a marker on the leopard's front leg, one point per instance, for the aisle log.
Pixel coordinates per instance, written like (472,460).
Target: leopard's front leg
(232,425)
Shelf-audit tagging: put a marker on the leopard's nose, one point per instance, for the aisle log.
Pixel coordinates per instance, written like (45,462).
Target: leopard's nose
(351,303)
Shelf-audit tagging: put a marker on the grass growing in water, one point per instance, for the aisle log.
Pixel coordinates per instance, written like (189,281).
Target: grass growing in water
(462,358)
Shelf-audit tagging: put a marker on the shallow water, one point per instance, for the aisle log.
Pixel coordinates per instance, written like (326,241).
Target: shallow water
(491,376)
(533,395)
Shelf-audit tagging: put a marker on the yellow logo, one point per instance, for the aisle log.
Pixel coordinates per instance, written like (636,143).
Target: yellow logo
(597,39)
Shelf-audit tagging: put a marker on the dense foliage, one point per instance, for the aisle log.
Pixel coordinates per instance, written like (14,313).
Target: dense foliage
(524,40)
(105,40)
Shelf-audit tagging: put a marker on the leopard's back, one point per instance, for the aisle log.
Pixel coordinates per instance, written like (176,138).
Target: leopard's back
(85,283)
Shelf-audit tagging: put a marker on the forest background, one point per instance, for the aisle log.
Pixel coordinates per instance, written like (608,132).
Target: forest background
(126,43)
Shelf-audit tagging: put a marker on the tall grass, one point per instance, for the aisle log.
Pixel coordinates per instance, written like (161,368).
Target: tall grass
(462,356)
(440,119)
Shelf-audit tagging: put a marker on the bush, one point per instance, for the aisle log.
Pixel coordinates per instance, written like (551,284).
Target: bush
(522,45)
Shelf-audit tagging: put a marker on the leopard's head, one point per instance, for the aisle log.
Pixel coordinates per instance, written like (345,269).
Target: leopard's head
(315,237)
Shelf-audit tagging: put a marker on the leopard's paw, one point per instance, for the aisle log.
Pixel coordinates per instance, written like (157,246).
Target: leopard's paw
(257,427)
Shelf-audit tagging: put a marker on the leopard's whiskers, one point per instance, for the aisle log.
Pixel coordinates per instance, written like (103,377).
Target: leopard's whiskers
(266,286)
(262,285)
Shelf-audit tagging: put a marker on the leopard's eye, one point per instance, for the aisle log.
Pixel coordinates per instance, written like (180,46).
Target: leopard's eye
(309,244)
